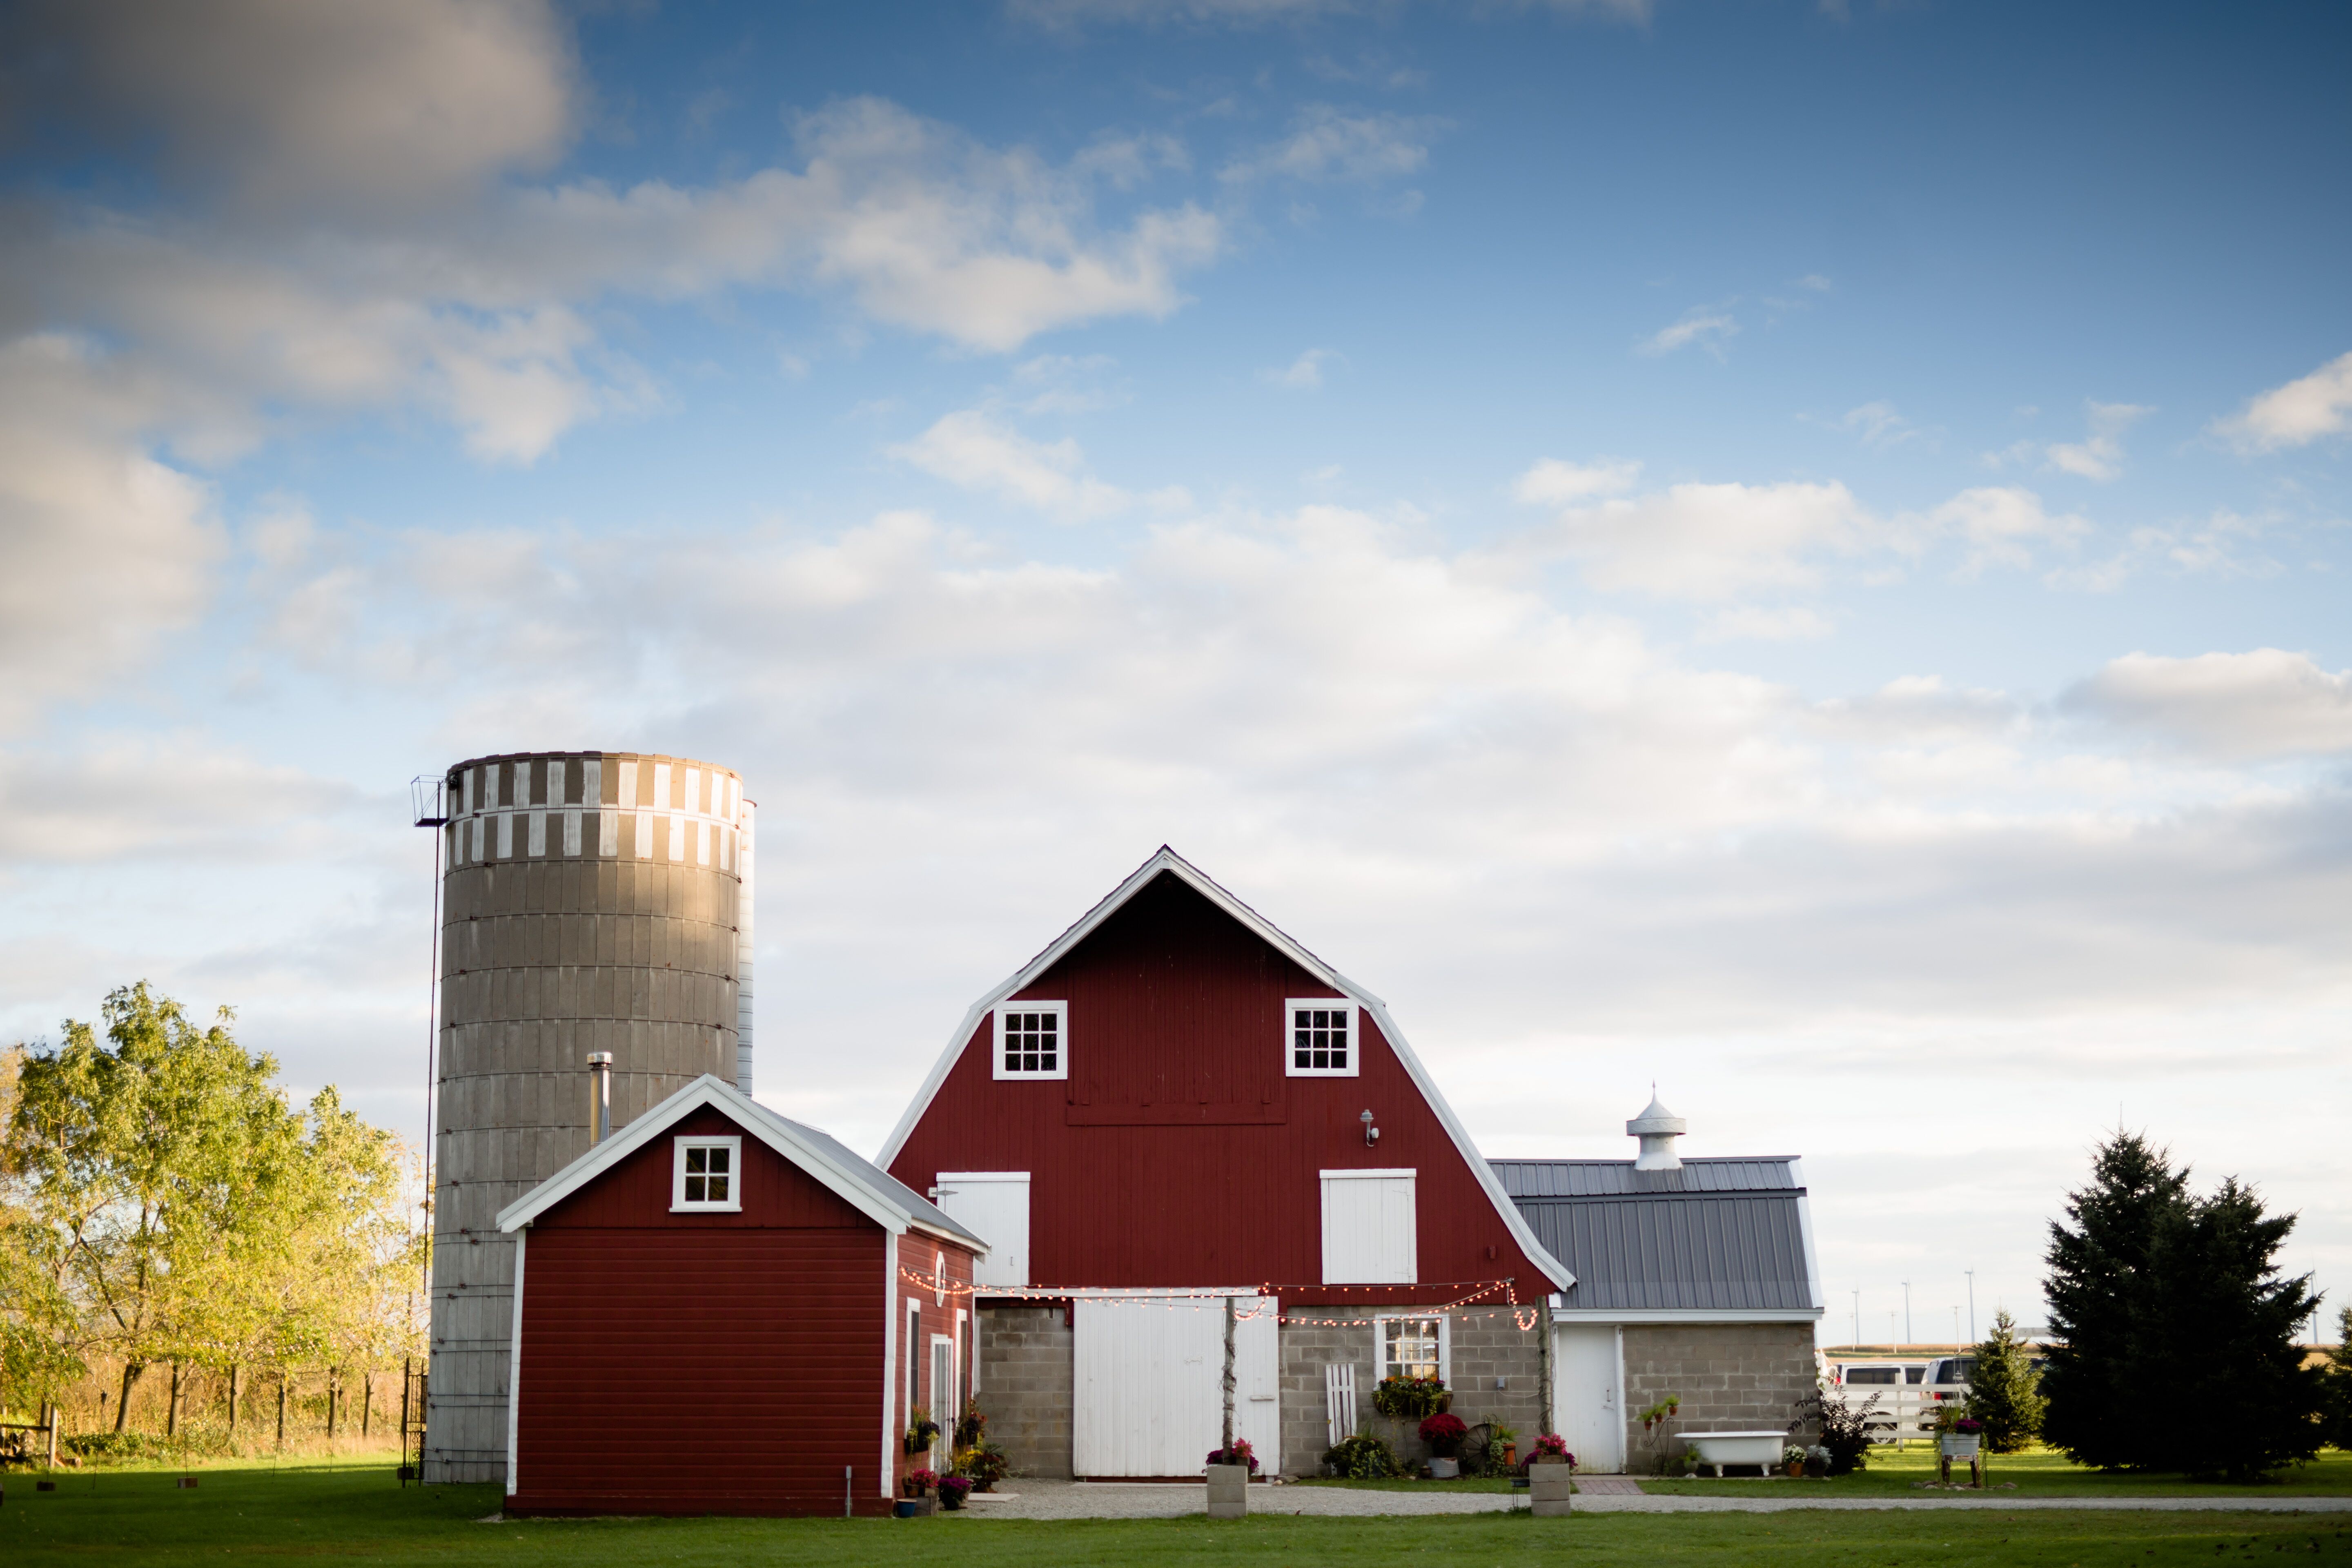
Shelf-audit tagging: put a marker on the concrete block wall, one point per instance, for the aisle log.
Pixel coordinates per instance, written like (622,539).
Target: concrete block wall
(1481,1350)
(1731,1377)
(1025,1369)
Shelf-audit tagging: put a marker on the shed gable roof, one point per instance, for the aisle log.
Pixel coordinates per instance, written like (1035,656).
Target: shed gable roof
(1167,862)
(864,1186)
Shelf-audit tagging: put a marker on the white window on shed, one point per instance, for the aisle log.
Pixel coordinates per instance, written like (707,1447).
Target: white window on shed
(705,1175)
(1370,1228)
(1320,1039)
(994,1206)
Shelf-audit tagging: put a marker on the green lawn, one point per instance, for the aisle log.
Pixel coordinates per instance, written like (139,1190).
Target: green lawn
(352,1512)
(2037,1472)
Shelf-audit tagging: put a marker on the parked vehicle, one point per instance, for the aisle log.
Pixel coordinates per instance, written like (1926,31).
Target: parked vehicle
(1882,1373)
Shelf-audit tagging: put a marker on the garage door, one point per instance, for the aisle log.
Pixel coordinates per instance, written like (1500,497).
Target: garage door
(1147,1380)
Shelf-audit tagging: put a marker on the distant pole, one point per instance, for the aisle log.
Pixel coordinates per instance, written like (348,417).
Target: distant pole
(1906,1312)
(1857,1317)
(1972,1303)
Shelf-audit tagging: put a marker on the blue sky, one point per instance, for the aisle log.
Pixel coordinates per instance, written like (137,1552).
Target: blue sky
(1794,551)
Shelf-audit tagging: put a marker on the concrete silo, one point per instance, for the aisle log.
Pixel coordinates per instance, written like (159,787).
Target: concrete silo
(591,901)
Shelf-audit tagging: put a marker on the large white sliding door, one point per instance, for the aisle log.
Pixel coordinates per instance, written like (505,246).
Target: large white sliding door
(1148,1377)
(1588,1405)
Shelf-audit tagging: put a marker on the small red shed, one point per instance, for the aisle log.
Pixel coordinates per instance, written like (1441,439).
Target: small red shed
(721,1310)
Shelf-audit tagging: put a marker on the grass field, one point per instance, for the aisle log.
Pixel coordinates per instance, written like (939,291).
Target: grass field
(2038,1473)
(350,1513)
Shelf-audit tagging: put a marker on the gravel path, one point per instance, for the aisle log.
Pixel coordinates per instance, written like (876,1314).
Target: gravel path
(1027,1499)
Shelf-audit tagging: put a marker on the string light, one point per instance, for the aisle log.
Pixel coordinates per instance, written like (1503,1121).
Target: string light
(1169,1301)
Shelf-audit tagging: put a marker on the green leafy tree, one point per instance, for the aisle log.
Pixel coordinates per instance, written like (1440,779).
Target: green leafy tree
(2004,1390)
(2217,1334)
(2335,1384)
(2098,1267)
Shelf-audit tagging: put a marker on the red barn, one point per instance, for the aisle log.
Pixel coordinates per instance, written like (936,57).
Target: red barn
(1175,1103)
(721,1311)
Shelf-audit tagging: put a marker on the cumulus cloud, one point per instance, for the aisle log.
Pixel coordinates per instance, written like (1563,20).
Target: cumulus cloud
(104,551)
(1304,373)
(2099,455)
(125,795)
(1551,482)
(1752,623)
(971,449)
(1706,326)
(2264,703)
(2302,411)
(1876,423)
(2001,525)
(1327,143)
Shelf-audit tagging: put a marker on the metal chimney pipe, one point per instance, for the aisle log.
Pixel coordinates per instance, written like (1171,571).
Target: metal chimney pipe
(600,1097)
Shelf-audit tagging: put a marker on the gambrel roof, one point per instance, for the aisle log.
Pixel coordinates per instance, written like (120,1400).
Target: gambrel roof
(1167,862)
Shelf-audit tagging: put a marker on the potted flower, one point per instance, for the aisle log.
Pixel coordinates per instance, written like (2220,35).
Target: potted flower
(917,1486)
(1410,1398)
(1443,1434)
(920,1429)
(986,1464)
(1501,1440)
(1228,1472)
(1960,1440)
(953,1489)
(1551,1474)
(1792,1462)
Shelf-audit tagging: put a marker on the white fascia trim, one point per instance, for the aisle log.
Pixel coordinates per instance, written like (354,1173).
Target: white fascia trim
(893,1434)
(1168,860)
(1805,1229)
(514,1369)
(1662,1315)
(708,1089)
(1368,1170)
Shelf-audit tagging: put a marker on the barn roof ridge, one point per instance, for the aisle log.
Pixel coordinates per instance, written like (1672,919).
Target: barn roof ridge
(863,1184)
(1166,860)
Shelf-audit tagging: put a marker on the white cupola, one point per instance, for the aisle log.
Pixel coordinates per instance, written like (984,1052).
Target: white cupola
(1657,1127)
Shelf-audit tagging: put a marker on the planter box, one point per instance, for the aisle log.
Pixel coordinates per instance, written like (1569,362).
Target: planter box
(1445,1470)
(1954,1446)
(1550,1485)
(1228,1492)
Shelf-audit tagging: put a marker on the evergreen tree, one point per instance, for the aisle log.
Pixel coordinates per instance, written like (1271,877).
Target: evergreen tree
(2336,1384)
(2003,1389)
(2096,1291)
(2218,1336)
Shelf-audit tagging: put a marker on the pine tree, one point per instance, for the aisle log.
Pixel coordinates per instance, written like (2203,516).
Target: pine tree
(2218,1336)
(2003,1389)
(2096,1290)
(2336,1384)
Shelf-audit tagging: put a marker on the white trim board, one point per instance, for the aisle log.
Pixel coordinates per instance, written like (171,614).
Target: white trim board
(514,1371)
(1664,1315)
(1168,860)
(778,1134)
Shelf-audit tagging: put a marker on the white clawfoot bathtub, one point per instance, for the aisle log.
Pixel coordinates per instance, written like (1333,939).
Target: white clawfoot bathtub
(1721,1448)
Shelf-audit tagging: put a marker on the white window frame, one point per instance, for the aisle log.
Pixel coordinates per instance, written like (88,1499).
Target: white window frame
(1060,1068)
(733,1144)
(1444,1342)
(1290,1067)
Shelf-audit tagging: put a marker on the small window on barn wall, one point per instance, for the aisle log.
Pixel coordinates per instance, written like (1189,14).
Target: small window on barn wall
(706,1175)
(1032,1039)
(1412,1347)
(1320,1041)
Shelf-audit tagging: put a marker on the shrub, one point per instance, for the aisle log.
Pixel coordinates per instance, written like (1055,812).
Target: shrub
(1239,1454)
(1364,1457)
(986,1464)
(1846,1429)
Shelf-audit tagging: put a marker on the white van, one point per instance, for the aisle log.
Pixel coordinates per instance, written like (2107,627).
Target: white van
(1882,1373)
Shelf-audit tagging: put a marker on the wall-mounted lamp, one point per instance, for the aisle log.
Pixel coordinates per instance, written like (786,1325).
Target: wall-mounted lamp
(1371,1133)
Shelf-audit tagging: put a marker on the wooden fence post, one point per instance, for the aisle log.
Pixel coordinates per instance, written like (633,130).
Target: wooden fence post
(334,1390)
(234,1388)
(367,1401)
(172,1410)
(281,1410)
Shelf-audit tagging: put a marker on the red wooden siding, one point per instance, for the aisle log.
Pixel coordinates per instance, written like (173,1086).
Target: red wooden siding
(705,1362)
(1178,1152)
(915,1254)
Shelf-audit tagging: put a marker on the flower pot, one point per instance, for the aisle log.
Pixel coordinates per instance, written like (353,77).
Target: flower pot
(1958,1445)
(1445,1470)
(1550,1483)
(1228,1492)
(903,1509)
(1796,1469)
(951,1500)
(1511,1456)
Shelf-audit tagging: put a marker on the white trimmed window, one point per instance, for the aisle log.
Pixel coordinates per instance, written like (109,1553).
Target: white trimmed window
(1321,1038)
(1412,1347)
(706,1175)
(1032,1039)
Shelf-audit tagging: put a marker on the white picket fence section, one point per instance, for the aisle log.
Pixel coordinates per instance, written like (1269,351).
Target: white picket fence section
(1906,1412)
(1339,1402)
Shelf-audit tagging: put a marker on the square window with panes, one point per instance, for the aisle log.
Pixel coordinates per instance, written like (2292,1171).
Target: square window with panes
(1412,1347)
(1321,1038)
(706,1175)
(1032,1039)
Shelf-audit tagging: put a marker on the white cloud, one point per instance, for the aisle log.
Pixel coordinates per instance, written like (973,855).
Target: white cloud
(2001,525)
(1877,425)
(2264,703)
(1325,143)
(2099,456)
(1304,373)
(1707,327)
(1754,624)
(971,449)
(1714,542)
(1551,482)
(354,106)
(104,551)
(2297,414)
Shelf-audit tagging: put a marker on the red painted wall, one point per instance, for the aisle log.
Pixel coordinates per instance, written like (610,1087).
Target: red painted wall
(1178,1152)
(694,1363)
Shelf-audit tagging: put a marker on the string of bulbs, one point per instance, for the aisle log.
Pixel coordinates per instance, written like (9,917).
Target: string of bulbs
(1195,1300)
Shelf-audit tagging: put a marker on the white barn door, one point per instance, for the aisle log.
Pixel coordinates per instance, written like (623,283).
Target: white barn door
(994,1206)
(1148,1373)
(1370,1232)
(1586,1373)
